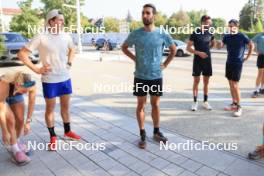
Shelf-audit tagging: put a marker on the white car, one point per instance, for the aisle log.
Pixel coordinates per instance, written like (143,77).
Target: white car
(181,49)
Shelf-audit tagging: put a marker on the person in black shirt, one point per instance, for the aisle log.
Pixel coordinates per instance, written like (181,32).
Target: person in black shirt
(202,40)
(236,44)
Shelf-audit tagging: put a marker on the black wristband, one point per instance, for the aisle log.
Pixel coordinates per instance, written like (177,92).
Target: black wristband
(69,63)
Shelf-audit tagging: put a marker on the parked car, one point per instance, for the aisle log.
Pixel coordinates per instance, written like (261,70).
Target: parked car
(181,48)
(13,42)
(102,42)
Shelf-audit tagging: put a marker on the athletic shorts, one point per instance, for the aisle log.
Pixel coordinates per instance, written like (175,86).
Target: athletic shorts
(260,61)
(52,90)
(143,87)
(202,66)
(233,71)
(15,99)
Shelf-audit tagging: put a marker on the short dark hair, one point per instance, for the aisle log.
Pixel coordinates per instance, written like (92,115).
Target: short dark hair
(154,10)
(234,21)
(204,18)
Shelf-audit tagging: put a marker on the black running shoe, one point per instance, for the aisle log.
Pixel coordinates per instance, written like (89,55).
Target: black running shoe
(255,94)
(159,137)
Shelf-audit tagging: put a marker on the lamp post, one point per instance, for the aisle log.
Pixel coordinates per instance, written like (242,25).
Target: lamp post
(1,17)
(78,11)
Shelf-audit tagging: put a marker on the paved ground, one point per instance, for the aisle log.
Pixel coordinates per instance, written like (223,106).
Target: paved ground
(119,133)
(104,116)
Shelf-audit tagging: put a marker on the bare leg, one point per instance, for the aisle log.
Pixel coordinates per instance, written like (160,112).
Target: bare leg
(49,114)
(206,84)
(155,113)
(64,104)
(237,92)
(141,102)
(18,110)
(10,121)
(232,91)
(195,85)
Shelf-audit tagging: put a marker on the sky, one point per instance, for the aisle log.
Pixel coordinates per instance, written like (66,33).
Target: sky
(226,9)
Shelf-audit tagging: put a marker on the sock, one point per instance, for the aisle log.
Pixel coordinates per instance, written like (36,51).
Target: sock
(156,130)
(205,98)
(51,131)
(262,86)
(15,148)
(67,127)
(143,135)
(18,140)
(258,87)
(195,98)
(142,132)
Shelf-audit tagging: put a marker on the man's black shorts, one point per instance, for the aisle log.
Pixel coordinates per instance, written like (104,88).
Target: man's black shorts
(143,87)
(202,66)
(260,61)
(233,71)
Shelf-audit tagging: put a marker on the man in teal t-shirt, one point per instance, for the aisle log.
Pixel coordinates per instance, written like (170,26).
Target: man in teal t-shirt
(149,42)
(259,41)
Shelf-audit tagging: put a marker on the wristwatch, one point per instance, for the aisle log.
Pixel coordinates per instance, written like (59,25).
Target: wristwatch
(69,64)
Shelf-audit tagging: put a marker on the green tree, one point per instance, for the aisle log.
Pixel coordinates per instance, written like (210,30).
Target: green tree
(218,22)
(135,25)
(28,18)
(245,15)
(111,24)
(258,26)
(259,10)
(2,46)
(178,19)
(195,16)
(160,19)
(69,13)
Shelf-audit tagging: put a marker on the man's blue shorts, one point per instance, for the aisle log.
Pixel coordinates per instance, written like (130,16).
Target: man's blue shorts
(52,90)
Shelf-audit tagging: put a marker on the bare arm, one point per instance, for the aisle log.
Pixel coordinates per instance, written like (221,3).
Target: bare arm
(31,105)
(220,44)
(23,56)
(213,43)
(250,50)
(171,55)
(71,55)
(31,102)
(127,52)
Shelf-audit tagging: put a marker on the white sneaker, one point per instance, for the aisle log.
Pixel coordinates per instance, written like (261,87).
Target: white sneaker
(207,106)
(194,106)
(238,112)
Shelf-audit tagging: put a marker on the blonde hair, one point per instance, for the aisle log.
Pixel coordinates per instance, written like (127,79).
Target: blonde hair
(16,77)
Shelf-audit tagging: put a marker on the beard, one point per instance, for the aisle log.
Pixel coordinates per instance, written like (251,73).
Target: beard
(147,22)
(206,26)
